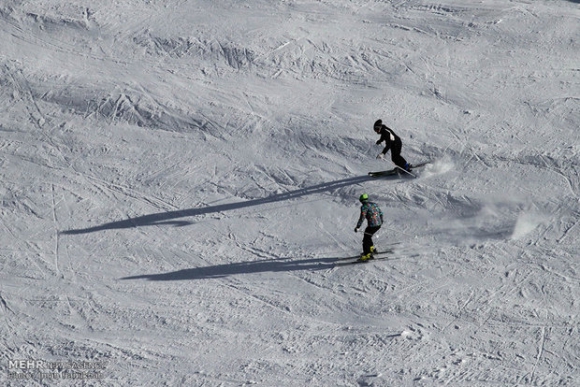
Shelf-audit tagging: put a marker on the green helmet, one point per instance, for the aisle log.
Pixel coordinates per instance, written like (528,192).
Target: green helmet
(364,197)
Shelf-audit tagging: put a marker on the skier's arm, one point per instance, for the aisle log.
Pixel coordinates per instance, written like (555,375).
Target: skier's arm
(360,220)
(359,223)
(383,137)
(386,137)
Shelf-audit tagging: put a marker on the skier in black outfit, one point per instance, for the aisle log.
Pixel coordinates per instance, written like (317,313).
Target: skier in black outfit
(392,142)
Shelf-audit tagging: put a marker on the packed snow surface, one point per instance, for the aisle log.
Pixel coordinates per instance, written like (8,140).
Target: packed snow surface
(180,177)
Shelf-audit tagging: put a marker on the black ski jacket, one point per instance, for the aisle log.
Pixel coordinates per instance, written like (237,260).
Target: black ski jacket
(389,136)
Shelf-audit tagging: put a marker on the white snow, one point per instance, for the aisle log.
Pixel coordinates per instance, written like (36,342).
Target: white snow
(178,178)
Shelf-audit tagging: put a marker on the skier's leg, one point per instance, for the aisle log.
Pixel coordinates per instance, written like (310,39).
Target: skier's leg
(396,157)
(372,247)
(368,239)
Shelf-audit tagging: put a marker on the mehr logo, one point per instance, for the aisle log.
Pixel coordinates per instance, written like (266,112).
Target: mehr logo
(32,364)
(26,364)
(42,369)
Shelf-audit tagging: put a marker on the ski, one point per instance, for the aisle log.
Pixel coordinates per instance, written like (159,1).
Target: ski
(385,254)
(405,171)
(355,260)
(421,164)
(390,172)
(398,171)
(377,253)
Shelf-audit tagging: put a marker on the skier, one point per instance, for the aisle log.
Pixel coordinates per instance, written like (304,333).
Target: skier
(392,142)
(374,216)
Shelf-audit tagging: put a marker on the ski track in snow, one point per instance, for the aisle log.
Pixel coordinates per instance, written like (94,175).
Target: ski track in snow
(178,179)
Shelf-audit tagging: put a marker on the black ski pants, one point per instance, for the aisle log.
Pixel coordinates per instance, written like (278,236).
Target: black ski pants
(396,157)
(368,238)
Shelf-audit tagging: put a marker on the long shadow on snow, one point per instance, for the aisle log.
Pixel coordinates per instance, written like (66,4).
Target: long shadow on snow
(219,271)
(169,217)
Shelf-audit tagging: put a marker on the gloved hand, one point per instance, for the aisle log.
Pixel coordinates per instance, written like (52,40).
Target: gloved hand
(378,142)
(381,156)
(356,229)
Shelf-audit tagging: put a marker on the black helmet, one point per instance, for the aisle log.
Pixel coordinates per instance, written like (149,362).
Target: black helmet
(378,125)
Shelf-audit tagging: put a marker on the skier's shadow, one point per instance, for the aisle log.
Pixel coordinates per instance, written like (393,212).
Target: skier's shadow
(220,271)
(171,217)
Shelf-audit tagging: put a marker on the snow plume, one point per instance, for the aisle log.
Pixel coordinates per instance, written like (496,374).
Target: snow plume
(526,223)
(439,167)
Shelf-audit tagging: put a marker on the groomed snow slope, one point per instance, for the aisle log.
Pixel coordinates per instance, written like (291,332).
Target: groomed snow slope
(179,177)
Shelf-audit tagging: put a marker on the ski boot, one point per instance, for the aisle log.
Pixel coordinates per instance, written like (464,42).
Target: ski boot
(366,257)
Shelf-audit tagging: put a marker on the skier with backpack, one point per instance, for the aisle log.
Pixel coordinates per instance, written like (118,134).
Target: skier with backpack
(374,216)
